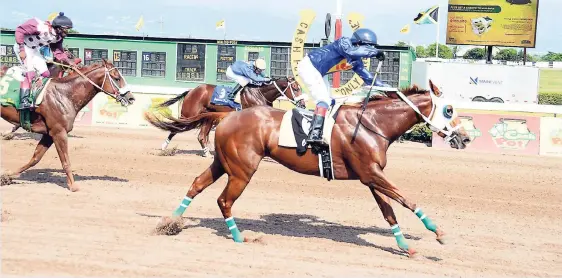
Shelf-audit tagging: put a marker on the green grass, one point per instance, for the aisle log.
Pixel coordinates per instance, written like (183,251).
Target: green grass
(550,81)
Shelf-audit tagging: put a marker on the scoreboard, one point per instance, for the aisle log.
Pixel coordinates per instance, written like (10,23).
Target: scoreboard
(190,62)
(153,64)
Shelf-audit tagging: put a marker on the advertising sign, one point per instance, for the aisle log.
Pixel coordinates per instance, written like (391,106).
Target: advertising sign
(551,136)
(492,22)
(84,116)
(499,133)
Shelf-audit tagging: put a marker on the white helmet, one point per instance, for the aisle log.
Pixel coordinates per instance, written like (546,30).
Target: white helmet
(259,63)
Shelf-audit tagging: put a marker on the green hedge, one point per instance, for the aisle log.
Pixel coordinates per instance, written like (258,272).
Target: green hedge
(550,98)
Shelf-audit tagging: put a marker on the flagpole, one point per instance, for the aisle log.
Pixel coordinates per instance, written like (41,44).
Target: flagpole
(437,38)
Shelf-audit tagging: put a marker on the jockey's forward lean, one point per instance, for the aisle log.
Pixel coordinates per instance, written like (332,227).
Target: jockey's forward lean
(244,73)
(318,62)
(31,36)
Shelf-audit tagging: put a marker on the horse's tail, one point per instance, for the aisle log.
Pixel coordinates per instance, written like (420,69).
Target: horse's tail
(181,125)
(173,100)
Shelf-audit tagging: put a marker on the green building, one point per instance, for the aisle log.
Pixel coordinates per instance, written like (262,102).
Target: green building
(176,63)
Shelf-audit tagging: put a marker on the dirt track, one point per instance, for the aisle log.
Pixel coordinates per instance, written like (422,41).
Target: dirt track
(502,215)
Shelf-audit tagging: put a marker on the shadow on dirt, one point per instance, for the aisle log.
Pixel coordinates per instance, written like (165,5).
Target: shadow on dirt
(302,226)
(58,177)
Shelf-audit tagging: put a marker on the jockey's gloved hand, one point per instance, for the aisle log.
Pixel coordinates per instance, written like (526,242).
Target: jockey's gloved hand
(22,56)
(380,56)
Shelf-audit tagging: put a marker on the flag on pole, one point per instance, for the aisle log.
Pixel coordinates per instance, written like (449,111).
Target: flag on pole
(140,23)
(430,16)
(221,24)
(405,29)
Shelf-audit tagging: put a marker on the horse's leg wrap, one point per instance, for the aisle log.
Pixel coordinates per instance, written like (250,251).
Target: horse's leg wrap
(236,235)
(400,239)
(184,204)
(426,221)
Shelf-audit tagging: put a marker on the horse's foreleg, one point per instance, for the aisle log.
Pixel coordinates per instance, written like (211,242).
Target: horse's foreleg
(382,184)
(167,141)
(203,138)
(61,143)
(388,214)
(42,147)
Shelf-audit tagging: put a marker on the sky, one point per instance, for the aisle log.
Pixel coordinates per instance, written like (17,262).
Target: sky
(264,20)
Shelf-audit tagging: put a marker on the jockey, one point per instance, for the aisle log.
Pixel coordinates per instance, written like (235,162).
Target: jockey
(31,36)
(244,73)
(318,62)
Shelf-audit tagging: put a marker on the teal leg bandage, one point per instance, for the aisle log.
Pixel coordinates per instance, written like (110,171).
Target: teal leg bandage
(400,239)
(426,221)
(181,209)
(236,235)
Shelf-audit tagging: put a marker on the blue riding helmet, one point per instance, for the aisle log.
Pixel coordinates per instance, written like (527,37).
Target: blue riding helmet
(364,36)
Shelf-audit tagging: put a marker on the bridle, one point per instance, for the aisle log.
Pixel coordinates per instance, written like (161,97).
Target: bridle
(449,131)
(295,99)
(118,92)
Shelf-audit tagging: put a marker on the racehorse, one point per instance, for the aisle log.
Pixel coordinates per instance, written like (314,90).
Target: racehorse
(199,100)
(62,99)
(244,138)
(56,70)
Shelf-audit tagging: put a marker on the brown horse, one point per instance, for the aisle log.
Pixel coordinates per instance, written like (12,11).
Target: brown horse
(56,70)
(244,138)
(63,98)
(198,100)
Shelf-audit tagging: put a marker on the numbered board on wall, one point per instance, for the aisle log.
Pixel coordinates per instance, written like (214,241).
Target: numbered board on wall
(125,61)
(153,64)
(190,62)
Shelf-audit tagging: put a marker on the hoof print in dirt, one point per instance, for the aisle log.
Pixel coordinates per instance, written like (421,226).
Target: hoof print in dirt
(168,226)
(168,152)
(6,180)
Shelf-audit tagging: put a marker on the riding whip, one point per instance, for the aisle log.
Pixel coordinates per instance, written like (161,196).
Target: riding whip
(366,100)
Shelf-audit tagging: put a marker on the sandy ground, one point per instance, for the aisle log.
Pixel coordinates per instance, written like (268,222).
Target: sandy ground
(502,215)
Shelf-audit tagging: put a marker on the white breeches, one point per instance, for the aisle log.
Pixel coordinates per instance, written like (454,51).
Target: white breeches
(242,80)
(314,81)
(33,60)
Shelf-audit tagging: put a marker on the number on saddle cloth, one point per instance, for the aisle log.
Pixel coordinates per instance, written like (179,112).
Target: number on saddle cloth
(222,95)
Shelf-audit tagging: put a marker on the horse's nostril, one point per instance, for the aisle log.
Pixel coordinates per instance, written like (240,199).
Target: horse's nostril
(466,140)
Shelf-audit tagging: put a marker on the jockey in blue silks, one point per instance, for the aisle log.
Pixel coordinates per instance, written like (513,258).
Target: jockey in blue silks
(318,62)
(244,73)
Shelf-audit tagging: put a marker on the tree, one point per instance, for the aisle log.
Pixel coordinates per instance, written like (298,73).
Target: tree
(73,31)
(507,54)
(444,51)
(6,29)
(552,57)
(476,53)
(420,52)
(401,43)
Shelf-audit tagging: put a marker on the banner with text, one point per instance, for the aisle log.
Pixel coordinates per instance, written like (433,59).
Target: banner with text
(492,22)
(551,136)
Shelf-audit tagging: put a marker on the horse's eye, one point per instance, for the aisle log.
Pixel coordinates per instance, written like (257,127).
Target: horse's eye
(448,111)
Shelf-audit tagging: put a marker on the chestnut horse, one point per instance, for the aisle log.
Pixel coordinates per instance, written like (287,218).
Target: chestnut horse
(198,100)
(56,70)
(244,138)
(63,98)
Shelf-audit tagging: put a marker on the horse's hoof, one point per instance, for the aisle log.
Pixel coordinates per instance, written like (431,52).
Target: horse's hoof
(412,253)
(440,236)
(73,188)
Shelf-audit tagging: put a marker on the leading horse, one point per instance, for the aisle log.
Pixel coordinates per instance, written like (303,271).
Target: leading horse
(62,99)
(198,100)
(243,139)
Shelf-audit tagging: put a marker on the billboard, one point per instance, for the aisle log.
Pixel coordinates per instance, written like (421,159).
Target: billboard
(499,133)
(510,23)
(551,136)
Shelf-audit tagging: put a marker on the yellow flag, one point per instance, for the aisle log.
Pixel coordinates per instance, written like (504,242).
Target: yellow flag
(52,16)
(220,24)
(140,23)
(405,29)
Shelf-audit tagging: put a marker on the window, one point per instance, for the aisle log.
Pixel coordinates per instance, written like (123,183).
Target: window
(8,56)
(226,56)
(190,62)
(126,62)
(153,64)
(390,68)
(279,62)
(252,56)
(92,56)
(74,51)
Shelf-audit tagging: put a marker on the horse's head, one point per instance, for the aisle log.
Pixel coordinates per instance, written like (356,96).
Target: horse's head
(443,120)
(290,88)
(112,83)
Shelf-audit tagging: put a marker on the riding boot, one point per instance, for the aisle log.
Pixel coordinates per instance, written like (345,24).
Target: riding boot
(235,90)
(24,99)
(317,125)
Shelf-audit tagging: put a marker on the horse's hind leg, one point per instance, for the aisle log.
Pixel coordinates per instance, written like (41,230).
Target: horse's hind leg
(213,173)
(203,138)
(167,141)
(42,147)
(388,214)
(382,184)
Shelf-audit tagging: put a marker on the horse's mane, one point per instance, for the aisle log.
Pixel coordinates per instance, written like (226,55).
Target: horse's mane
(84,70)
(412,90)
